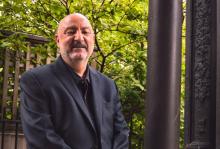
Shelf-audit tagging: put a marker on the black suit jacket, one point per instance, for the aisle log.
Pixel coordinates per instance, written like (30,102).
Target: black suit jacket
(54,115)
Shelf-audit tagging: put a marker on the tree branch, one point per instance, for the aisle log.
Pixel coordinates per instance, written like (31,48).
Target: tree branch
(124,14)
(47,12)
(121,31)
(114,50)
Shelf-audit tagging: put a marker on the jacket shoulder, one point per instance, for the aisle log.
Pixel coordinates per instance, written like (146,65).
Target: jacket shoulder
(100,75)
(39,72)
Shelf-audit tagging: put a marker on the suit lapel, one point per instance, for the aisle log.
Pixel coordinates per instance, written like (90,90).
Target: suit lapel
(64,76)
(96,84)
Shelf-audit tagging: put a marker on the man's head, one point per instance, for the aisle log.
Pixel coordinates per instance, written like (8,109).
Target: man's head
(75,38)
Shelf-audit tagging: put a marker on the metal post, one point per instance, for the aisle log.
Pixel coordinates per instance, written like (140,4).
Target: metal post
(218,79)
(163,77)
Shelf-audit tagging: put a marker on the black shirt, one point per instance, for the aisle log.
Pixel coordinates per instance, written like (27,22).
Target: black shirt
(83,83)
(85,87)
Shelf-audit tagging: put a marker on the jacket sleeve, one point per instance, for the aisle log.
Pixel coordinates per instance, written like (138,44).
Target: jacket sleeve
(35,116)
(121,131)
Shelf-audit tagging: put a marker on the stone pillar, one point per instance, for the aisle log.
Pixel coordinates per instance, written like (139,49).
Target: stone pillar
(202,75)
(163,76)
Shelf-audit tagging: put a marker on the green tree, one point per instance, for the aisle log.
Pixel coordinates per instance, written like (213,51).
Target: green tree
(121,43)
(120,28)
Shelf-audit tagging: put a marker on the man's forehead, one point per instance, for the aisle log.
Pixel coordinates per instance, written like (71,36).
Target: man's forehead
(74,20)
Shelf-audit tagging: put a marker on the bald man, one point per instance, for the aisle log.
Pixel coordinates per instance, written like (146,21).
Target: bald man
(67,104)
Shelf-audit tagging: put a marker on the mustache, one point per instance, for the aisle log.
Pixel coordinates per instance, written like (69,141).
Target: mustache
(77,44)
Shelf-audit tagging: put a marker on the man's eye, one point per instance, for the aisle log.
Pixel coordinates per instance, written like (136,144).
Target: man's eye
(85,32)
(70,32)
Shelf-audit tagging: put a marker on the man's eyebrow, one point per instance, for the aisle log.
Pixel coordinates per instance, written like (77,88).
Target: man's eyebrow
(74,27)
(70,27)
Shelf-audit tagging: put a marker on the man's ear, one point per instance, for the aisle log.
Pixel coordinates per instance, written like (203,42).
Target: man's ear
(94,36)
(56,38)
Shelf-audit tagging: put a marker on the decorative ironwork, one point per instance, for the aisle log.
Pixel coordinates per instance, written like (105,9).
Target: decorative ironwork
(201,67)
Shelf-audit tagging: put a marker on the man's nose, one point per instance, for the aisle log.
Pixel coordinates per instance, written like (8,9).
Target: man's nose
(78,36)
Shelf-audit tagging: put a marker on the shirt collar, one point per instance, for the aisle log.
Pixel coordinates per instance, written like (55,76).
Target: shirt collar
(76,77)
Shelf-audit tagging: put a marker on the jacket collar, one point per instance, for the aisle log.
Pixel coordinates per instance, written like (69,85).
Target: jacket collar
(65,77)
(75,76)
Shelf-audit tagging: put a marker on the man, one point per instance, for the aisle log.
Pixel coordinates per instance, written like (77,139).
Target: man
(67,104)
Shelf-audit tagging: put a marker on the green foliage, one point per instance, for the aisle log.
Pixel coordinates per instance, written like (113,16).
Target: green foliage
(121,42)
(120,28)
(183,73)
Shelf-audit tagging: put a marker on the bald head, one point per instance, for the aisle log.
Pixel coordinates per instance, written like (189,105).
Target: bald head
(75,17)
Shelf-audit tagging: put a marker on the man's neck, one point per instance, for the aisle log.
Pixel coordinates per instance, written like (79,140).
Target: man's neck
(78,67)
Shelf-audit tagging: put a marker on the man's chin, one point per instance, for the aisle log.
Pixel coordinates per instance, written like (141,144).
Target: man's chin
(77,58)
